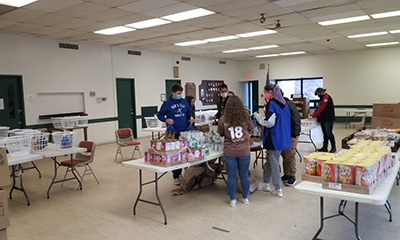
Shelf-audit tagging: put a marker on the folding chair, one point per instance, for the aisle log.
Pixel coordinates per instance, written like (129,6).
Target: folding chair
(361,123)
(124,138)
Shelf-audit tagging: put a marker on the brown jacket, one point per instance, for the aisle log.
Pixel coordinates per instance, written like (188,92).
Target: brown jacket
(237,139)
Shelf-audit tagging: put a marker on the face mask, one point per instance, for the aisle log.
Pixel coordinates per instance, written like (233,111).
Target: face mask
(224,95)
(192,104)
(179,96)
(320,96)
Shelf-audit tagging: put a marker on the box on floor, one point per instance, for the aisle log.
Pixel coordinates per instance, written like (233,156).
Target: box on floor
(4,216)
(3,234)
(4,171)
(385,122)
(386,109)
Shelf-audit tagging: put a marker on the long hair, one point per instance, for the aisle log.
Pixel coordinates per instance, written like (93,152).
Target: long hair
(189,99)
(235,113)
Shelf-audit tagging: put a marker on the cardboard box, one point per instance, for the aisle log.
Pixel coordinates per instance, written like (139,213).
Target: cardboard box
(4,217)
(384,122)
(382,109)
(3,234)
(4,171)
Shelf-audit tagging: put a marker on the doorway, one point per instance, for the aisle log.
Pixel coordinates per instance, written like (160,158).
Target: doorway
(126,104)
(12,112)
(168,84)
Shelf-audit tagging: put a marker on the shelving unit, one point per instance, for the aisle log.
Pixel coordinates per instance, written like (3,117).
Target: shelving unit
(302,104)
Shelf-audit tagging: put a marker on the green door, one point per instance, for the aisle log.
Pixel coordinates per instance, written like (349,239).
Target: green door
(126,104)
(12,112)
(168,84)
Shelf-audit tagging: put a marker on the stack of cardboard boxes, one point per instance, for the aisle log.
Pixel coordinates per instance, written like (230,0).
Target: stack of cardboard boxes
(4,181)
(386,115)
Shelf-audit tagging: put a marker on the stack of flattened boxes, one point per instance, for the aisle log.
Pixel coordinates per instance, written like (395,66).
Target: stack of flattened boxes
(4,182)
(386,115)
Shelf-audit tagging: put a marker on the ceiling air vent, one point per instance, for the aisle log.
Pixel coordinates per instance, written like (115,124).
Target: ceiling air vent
(222,62)
(68,46)
(137,53)
(262,66)
(185,58)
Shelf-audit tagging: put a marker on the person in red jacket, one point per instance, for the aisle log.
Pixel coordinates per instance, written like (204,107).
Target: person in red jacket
(325,114)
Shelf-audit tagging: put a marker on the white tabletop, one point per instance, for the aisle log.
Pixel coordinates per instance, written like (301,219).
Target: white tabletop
(355,109)
(140,164)
(378,196)
(14,160)
(157,129)
(52,151)
(308,127)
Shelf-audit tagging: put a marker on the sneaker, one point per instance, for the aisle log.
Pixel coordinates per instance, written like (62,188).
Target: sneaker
(177,182)
(333,150)
(232,203)
(285,177)
(323,149)
(262,186)
(245,201)
(291,182)
(277,192)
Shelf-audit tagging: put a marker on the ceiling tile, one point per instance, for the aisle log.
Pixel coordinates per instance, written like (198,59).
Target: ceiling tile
(94,27)
(74,23)
(255,10)
(213,21)
(316,4)
(20,27)
(146,5)
(107,14)
(45,30)
(66,33)
(5,23)
(4,9)
(113,3)
(50,19)
(170,9)
(239,28)
(20,15)
(233,5)
(52,5)
(82,9)
(133,17)
(205,3)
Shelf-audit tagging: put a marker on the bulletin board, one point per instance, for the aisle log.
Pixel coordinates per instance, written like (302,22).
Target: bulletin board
(209,91)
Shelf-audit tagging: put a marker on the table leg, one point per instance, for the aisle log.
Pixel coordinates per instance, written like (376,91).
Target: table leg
(356,222)
(347,118)
(158,199)
(297,151)
(140,191)
(54,178)
(73,169)
(321,205)
(342,206)
(85,135)
(21,186)
(309,136)
(388,207)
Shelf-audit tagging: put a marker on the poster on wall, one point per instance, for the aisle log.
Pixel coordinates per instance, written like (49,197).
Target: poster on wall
(209,91)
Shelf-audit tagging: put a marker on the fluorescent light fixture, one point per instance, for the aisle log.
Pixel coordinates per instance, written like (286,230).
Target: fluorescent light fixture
(395,31)
(258,33)
(195,13)
(367,35)
(344,20)
(190,43)
(381,44)
(148,23)
(16,3)
(386,14)
(263,47)
(236,50)
(269,55)
(218,39)
(114,30)
(291,53)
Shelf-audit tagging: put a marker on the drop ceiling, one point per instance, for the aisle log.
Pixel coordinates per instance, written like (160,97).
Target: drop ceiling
(76,20)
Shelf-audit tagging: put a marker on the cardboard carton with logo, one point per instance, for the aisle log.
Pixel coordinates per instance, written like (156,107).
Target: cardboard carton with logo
(3,234)
(386,109)
(385,122)
(4,217)
(4,171)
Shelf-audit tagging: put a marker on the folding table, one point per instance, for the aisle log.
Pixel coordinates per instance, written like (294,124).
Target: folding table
(16,164)
(306,130)
(378,197)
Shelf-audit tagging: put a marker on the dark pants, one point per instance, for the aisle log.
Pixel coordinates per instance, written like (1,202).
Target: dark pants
(327,128)
(177,172)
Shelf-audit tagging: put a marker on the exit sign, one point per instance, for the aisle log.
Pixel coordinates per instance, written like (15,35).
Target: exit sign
(248,74)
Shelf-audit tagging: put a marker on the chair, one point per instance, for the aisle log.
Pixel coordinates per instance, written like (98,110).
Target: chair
(81,160)
(361,123)
(259,152)
(124,138)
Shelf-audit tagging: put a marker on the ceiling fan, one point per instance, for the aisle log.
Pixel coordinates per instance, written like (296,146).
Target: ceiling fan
(276,26)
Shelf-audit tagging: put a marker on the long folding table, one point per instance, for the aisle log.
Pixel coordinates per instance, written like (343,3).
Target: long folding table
(378,197)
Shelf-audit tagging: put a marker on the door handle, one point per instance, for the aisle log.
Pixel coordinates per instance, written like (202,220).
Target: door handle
(19,111)
(132,113)
(19,122)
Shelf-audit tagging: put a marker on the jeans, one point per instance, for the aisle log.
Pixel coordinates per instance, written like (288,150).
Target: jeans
(327,128)
(233,165)
(271,168)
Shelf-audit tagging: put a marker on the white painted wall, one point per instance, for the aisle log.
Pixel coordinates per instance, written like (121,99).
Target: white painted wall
(351,78)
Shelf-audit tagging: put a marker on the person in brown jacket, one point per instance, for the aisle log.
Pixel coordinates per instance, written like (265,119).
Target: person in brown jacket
(235,125)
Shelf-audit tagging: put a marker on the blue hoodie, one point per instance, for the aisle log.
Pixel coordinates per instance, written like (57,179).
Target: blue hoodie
(177,110)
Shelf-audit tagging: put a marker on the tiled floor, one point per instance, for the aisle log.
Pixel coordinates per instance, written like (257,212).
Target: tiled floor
(105,211)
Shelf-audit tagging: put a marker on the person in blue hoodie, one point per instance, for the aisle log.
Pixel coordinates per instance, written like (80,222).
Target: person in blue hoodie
(176,112)
(277,134)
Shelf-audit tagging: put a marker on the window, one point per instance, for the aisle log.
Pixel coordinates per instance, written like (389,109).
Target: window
(304,86)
